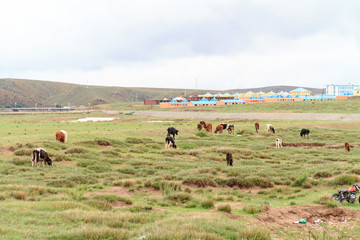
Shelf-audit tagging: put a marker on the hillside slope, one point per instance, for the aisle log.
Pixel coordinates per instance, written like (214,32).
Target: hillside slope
(45,93)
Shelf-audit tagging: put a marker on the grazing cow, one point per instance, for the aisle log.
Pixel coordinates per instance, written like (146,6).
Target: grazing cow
(231,129)
(172,131)
(199,126)
(304,132)
(203,123)
(61,136)
(224,125)
(257,127)
(219,129)
(229,159)
(269,127)
(278,143)
(209,127)
(40,155)
(272,129)
(169,142)
(347,146)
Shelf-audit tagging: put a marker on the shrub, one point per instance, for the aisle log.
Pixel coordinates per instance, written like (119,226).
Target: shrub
(2,197)
(208,203)
(345,180)
(102,142)
(224,208)
(326,201)
(134,140)
(240,132)
(200,181)
(201,134)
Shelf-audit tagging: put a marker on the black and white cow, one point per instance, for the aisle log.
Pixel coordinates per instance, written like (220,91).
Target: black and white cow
(230,128)
(172,131)
(304,132)
(40,155)
(224,125)
(169,142)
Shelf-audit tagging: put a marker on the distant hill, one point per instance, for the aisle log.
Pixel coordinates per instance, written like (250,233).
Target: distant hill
(45,93)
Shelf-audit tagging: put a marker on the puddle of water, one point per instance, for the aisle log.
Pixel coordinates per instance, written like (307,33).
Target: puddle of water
(93,119)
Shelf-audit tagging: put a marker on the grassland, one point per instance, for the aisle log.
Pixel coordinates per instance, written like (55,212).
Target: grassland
(351,106)
(114,180)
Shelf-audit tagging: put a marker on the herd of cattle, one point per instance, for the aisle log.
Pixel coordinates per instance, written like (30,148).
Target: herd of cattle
(40,156)
(170,141)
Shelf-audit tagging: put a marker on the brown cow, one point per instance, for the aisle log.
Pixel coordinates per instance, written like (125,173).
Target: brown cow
(229,159)
(61,136)
(203,123)
(199,126)
(257,127)
(347,146)
(209,127)
(219,129)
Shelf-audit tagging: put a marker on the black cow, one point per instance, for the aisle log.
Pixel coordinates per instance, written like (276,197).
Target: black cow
(40,155)
(169,142)
(172,131)
(304,132)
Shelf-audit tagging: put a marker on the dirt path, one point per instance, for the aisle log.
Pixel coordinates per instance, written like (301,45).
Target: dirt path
(279,116)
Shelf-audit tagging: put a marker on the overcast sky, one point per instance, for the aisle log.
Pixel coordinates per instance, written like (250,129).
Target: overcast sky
(224,44)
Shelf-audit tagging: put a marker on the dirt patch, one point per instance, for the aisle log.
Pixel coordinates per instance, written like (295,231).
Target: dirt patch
(286,216)
(309,145)
(7,150)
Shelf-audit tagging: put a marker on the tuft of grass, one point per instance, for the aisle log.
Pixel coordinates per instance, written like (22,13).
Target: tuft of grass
(345,179)
(208,203)
(19,195)
(251,209)
(201,134)
(22,152)
(299,181)
(224,208)
(76,150)
(256,233)
(322,175)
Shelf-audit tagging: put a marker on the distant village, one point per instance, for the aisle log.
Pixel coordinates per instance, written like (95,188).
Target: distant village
(220,99)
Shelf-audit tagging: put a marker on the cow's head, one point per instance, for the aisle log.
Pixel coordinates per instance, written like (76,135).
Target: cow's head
(176,132)
(48,161)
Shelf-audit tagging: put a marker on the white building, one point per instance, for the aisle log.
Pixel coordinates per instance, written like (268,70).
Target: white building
(340,90)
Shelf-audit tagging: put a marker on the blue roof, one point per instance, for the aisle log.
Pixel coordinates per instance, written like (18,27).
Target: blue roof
(214,100)
(184,100)
(203,100)
(289,96)
(297,96)
(271,92)
(173,101)
(261,97)
(207,94)
(252,97)
(300,89)
(279,96)
(236,98)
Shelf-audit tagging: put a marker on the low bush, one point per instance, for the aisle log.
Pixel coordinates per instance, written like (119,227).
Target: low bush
(257,233)
(75,151)
(19,195)
(299,181)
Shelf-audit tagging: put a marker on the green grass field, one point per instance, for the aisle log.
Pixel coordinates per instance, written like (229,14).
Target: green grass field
(115,180)
(351,106)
